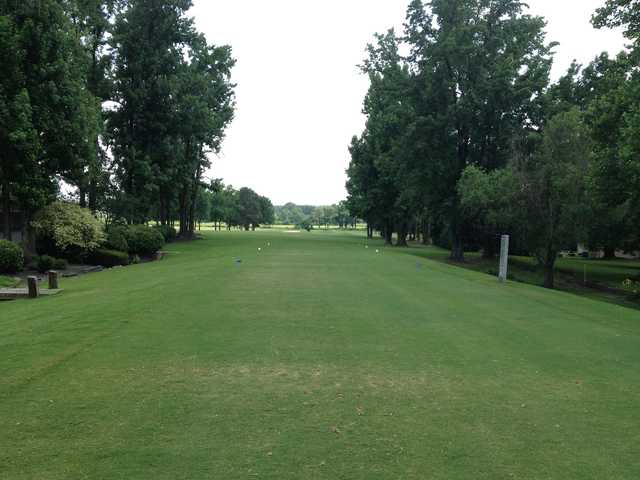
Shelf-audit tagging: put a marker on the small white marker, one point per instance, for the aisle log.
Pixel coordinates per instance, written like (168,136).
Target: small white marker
(259,249)
(377,251)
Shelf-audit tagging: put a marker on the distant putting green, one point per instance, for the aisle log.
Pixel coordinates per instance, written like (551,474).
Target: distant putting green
(315,358)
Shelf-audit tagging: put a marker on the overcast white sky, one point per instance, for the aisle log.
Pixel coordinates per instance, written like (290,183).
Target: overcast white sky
(299,93)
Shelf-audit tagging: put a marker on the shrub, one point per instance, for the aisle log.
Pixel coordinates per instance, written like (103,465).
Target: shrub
(632,286)
(305,225)
(143,240)
(11,257)
(60,264)
(108,258)
(168,232)
(117,239)
(68,230)
(44,263)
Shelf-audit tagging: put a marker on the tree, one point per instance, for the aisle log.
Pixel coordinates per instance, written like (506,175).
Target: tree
(267,212)
(553,182)
(93,25)
(490,201)
(46,113)
(174,100)
(620,13)
(378,172)
(480,70)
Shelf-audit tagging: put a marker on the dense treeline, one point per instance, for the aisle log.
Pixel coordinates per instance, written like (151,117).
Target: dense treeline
(467,138)
(242,208)
(121,99)
(307,216)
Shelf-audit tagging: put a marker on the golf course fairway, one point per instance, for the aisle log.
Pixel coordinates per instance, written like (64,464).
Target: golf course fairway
(315,357)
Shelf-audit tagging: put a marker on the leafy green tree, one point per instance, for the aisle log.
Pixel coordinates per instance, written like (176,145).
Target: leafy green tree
(480,70)
(378,172)
(93,21)
(46,112)
(490,201)
(620,13)
(553,182)
(267,212)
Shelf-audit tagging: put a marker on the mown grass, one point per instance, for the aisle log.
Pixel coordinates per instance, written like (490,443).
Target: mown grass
(8,282)
(593,278)
(315,358)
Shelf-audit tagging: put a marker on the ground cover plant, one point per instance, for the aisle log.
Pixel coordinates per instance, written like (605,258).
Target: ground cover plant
(315,357)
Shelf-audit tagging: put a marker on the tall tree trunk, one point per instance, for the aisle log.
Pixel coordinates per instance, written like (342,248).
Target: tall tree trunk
(609,252)
(549,264)
(93,195)
(184,221)
(489,247)
(402,234)
(549,275)
(388,233)
(28,238)
(6,208)
(457,241)
(426,231)
(457,250)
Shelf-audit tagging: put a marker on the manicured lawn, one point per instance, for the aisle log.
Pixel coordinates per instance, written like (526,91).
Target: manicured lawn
(318,359)
(598,279)
(7,282)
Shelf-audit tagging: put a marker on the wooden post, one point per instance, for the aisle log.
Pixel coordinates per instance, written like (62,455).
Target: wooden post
(504,258)
(53,280)
(34,292)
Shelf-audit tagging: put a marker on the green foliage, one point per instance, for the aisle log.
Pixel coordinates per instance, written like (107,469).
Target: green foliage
(620,13)
(143,240)
(179,89)
(109,258)
(47,116)
(11,257)
(168,233)
(60,264)
(305,224)
(68,229)
(474,78)
(632,286)
(117,239)
(44,263)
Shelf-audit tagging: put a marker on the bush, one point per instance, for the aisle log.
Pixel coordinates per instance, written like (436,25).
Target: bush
(108,258)
(143,240)
(67,230)
(117,239)
(168,232)
(44,263)
(11,257)
(60,264)
(305,225)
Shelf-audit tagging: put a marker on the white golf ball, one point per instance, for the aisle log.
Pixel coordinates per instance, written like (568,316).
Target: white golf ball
(259,249)
(377,251)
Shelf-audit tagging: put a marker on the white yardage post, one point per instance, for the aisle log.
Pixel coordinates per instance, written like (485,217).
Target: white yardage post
(504,258)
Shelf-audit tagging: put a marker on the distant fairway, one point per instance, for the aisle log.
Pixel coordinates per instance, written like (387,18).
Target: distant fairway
(316,359)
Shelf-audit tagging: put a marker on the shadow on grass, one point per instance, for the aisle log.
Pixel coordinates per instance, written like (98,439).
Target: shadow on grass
(602,279)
